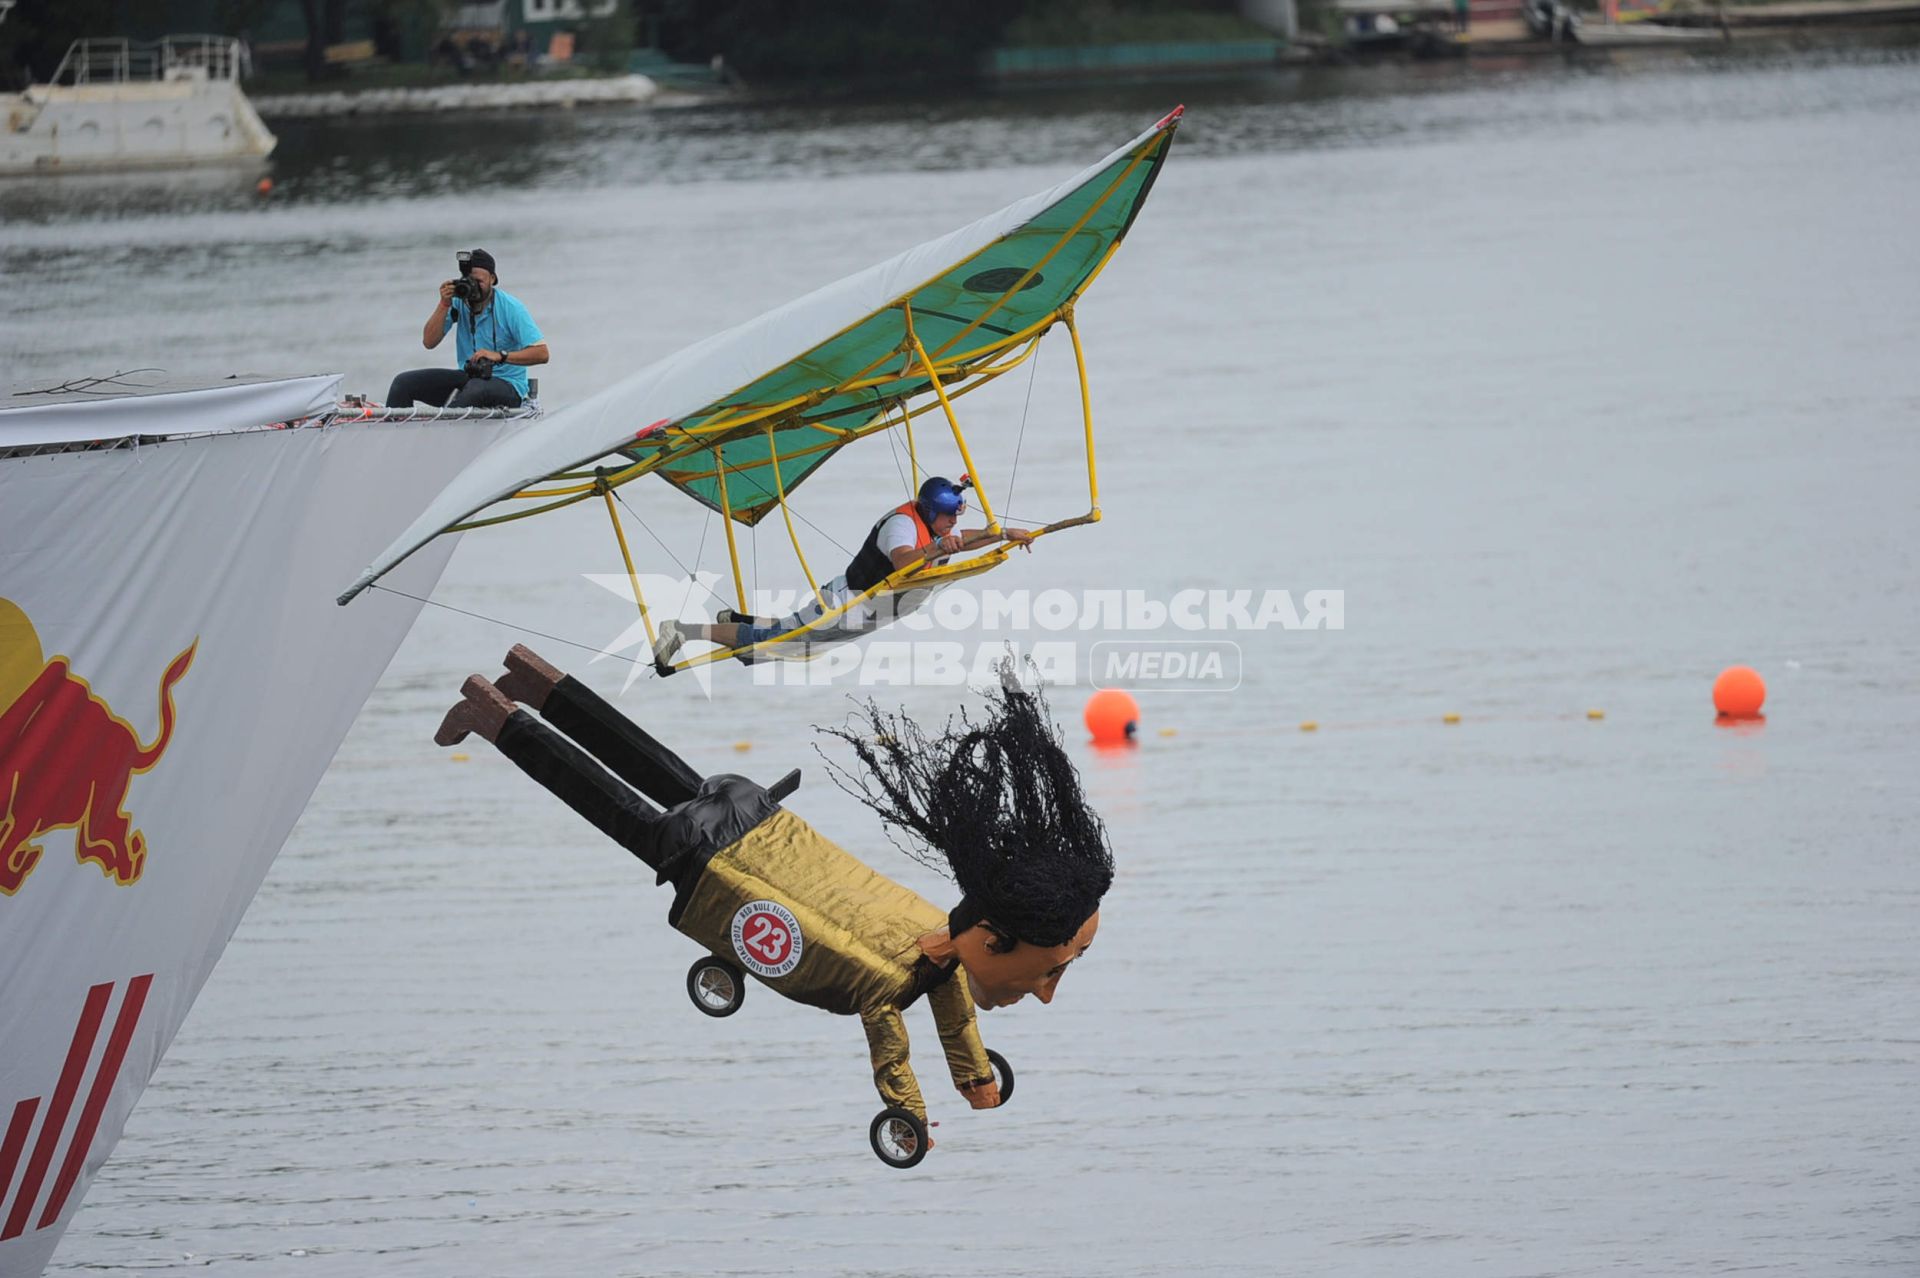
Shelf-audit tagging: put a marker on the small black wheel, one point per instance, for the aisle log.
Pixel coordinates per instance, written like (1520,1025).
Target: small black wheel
(716,987)
(898,1136)
(1002,1074)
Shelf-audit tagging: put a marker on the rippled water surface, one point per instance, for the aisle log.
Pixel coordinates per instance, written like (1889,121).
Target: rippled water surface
(1581,383)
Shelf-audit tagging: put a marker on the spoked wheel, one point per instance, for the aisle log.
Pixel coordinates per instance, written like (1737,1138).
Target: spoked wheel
(716,988)
(898,1137)
(1002,1074)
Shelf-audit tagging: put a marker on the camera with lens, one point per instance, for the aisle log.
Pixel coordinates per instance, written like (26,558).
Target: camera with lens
(466,288)
(470,291)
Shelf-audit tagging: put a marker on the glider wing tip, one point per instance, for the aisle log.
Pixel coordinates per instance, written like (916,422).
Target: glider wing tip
(352,592)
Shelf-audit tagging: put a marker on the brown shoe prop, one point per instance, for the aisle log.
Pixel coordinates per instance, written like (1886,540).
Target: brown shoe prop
(481,709)
(529,678)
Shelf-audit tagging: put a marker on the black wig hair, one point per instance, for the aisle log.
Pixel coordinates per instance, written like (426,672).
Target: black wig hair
(994,803)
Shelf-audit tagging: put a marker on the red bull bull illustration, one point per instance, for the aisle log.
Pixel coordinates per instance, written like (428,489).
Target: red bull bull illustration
(67,760)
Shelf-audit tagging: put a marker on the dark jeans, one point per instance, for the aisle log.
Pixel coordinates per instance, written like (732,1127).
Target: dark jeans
(572,774)
(450,388)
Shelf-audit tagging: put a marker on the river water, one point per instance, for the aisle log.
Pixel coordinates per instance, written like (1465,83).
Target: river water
(1581,383)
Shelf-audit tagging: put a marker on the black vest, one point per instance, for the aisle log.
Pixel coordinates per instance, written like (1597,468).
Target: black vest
(871,565)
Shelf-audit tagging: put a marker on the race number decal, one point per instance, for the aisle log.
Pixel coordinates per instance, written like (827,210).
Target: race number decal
(766,936)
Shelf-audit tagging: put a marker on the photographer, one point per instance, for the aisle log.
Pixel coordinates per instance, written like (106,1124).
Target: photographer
(495,340)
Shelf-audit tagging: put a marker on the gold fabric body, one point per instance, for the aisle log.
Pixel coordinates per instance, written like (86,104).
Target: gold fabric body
(859,933)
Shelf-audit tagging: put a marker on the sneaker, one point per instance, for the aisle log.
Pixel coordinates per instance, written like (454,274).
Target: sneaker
(666,646)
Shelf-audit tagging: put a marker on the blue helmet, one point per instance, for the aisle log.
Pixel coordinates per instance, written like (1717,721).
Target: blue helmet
(940,497)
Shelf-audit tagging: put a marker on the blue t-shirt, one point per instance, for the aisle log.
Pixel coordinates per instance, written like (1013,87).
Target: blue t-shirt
(503,326)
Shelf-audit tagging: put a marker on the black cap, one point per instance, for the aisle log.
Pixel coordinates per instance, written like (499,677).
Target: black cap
(481,258)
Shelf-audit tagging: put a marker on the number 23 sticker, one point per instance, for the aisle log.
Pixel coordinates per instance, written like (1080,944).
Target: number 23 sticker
(767,938)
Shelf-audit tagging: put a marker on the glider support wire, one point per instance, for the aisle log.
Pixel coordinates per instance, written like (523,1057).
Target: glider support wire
(913,456)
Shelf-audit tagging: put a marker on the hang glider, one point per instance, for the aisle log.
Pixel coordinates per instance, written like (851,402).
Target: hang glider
(739,421)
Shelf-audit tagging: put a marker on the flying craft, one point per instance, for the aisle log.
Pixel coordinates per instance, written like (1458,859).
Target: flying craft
(739,421)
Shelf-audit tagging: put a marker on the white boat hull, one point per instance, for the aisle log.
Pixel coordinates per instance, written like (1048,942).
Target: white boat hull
(154,124)
(174,678)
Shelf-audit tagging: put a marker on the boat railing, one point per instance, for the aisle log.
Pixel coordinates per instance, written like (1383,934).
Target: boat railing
(351,412)
(187,57)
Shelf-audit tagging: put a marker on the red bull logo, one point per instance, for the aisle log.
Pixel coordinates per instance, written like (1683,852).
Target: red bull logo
(66,759)
(53,1121)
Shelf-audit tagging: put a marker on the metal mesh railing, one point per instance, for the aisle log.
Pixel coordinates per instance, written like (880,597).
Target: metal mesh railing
(424,413)
(345,415)
(105,61)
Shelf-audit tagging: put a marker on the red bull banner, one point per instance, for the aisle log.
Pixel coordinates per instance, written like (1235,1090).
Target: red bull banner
(174,679)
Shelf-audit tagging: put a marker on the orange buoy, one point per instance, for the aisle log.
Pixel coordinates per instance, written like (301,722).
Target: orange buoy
(1738,693)
(264,186)
(1112,717)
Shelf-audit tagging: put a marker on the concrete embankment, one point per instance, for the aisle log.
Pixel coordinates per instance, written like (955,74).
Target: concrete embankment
(462,97)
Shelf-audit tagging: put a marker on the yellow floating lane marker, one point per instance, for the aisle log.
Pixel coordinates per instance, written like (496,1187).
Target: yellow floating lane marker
(459,757)
(1449,718)
(1169,732)
(741,747)
(1308,726)
(1596,714)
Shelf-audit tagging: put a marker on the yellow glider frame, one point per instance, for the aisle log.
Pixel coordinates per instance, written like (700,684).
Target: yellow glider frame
(949,375)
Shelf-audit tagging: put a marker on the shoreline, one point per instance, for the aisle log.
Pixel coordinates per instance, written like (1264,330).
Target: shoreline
(429,99)
(1798,24)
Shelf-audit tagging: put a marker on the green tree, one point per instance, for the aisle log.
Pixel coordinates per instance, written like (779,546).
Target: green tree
(826,39)
(326,24)
(36,33)
(237,17)
(606,39)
